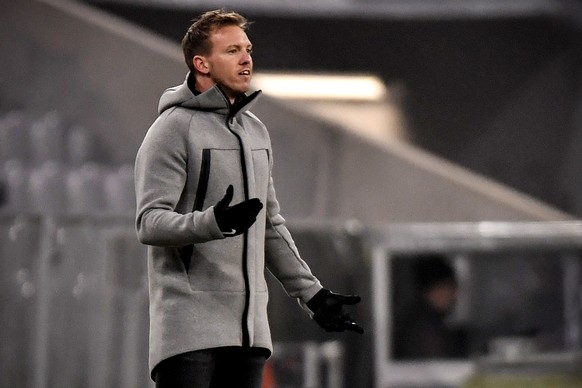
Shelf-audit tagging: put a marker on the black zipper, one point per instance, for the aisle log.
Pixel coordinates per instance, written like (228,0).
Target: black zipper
(245,326)
(233,110)
(186,252)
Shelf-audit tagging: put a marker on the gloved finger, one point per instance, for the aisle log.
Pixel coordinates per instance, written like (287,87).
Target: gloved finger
(225,201)
(348,299)
(353,326)
(246,209)
(255,205)
(249,208)
(343,323)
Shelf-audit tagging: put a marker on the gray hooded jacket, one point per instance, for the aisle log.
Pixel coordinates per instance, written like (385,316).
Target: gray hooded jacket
(207,290)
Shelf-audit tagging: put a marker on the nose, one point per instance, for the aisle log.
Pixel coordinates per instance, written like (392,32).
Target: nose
(246,58)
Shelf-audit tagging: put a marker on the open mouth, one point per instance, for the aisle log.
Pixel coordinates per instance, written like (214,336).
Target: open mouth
(245,73)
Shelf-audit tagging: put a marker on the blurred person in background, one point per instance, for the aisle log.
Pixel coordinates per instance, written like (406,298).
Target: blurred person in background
(206,208)
(421,328)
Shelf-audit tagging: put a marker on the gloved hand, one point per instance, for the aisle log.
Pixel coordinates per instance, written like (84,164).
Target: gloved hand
(236,219)
(328,312)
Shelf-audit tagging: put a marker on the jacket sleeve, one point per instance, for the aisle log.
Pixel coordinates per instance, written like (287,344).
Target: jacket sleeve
(282,257)
(160,178)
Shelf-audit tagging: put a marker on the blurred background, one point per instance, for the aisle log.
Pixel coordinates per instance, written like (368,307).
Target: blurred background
(402,130)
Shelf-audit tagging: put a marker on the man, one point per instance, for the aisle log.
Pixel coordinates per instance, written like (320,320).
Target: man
(207,208)
(421,329)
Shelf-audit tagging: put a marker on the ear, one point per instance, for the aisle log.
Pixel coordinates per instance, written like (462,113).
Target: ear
(200,64)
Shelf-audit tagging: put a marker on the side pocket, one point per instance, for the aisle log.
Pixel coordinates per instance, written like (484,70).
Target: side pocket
(186,251)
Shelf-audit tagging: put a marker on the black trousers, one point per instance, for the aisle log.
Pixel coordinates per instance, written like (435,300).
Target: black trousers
(228,367)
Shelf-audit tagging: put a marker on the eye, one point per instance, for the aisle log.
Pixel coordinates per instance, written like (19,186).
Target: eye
(249,51)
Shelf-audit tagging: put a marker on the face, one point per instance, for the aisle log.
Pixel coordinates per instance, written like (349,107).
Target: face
(443,296)
(230,64)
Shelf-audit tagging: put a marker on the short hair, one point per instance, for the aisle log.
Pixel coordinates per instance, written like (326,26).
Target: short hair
(431,269)
(197,38)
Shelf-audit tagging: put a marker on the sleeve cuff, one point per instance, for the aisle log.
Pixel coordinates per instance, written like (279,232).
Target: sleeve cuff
(307,295)
(213,228)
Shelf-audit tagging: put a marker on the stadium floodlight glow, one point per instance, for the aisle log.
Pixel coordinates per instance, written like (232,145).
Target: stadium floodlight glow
(321,86)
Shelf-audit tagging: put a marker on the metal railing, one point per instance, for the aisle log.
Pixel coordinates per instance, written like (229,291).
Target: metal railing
(74,308)
(387,241)
(75,305)
(74,297)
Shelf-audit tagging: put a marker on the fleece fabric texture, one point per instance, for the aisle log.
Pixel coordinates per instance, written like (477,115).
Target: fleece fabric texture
(207,290)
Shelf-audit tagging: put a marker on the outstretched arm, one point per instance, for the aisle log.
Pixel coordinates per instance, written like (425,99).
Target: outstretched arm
(284,261)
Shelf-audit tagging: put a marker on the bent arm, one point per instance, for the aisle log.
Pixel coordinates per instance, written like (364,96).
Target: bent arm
(160,179)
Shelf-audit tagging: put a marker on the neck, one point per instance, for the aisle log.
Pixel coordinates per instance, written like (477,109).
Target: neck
(204,83)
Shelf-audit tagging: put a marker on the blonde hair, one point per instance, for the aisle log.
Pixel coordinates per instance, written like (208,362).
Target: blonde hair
(197,38)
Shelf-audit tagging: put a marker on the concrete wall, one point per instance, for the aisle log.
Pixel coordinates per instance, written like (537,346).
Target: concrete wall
(496,90)
(326,172)
(107,74)
(95,70)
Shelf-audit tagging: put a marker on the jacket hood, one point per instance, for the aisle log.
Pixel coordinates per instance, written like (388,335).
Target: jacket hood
(211,100)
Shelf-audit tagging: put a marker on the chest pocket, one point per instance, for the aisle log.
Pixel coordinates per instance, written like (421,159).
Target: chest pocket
(262,171)
(218,169)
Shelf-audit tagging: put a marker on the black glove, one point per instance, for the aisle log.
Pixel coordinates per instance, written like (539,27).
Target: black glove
(236,219)
(328,312)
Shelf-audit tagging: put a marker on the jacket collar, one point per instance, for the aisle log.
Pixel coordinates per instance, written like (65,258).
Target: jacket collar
(212,100)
